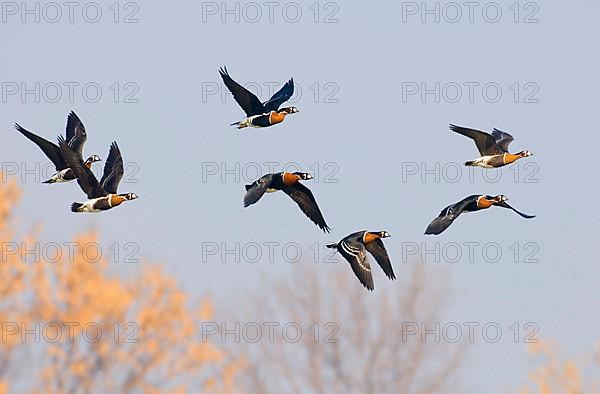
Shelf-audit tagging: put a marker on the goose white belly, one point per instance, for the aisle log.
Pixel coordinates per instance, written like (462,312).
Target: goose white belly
(249,122)
(59,177)
(483,161)
(88,206)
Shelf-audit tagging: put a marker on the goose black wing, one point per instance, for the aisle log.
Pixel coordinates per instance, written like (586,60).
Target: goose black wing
(256,190)
(356,255)
(377,249)
(283,95)
(51,150)
(76,134)
(503,139)
(113,170)
(446,217)
(486,143)
(85,178)
(246,99)
(307,203)
(505,205)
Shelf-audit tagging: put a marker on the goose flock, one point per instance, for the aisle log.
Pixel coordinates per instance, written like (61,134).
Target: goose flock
(67,157)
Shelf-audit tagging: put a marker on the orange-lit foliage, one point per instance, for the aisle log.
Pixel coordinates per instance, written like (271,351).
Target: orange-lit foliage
(555,376)
(150,337)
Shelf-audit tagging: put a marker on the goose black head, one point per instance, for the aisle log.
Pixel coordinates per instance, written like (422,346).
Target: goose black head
(304,176)
(93,159)
(130,196)
(524,153)
(289,110)
(499,199)
(382,234)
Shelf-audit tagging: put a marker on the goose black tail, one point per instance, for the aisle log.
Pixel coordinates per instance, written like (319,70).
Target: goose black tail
(332,246)
(75,207)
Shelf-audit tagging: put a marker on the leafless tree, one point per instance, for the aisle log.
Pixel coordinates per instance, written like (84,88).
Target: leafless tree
(352,340)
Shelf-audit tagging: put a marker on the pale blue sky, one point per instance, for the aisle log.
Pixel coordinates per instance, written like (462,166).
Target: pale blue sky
(368,55)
